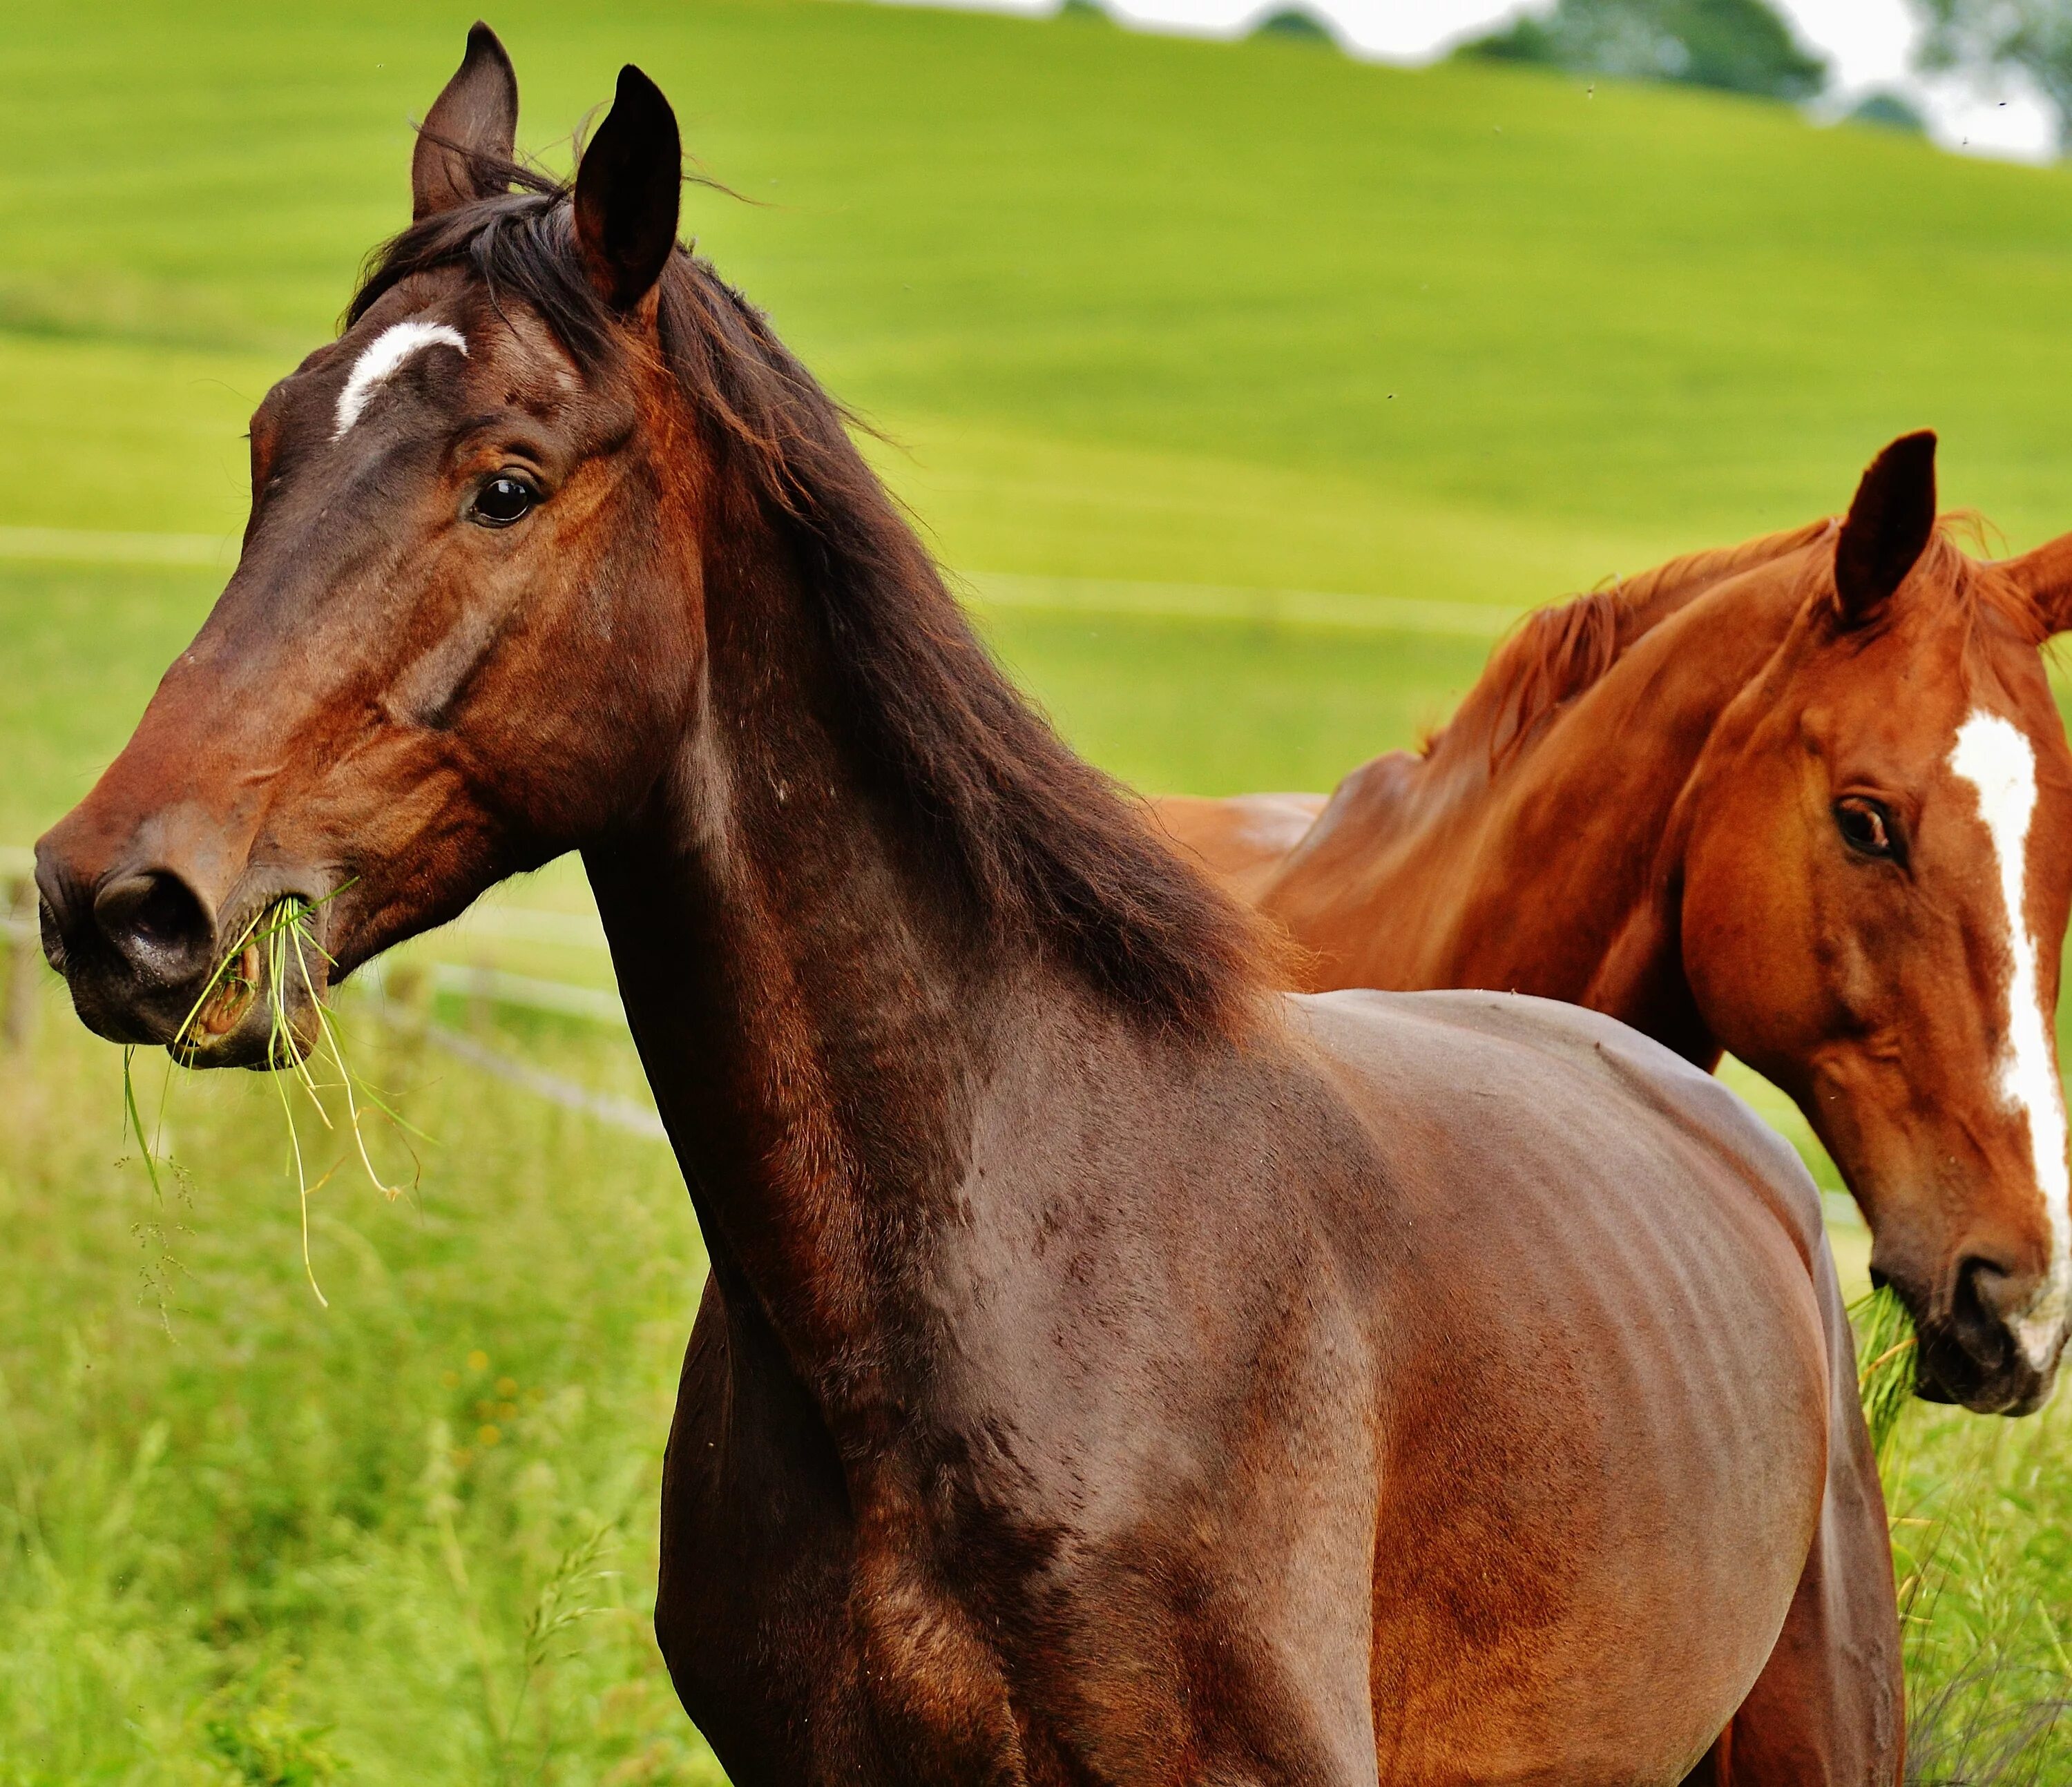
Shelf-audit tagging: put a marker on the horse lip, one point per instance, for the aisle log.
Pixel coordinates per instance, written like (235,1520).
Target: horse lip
(119,1006)
(111,1017)
(248,1038)
(2033,1398)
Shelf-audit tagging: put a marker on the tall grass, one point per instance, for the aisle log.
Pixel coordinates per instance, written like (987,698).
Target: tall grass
(1981,1514)
(1978,1536)
(1886,1357)
(407,1537)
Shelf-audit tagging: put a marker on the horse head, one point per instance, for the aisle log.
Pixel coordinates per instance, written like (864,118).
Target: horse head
(447,652)
(1876,866)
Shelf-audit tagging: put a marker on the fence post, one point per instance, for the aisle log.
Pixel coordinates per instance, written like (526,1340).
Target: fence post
(18,1025)
(482,980)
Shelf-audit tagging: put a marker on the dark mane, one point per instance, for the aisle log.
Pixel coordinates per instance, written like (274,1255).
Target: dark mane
(1557,652)
(1048,846)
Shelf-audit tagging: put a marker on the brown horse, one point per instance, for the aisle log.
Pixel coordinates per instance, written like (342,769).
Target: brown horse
(1109,1370)
(1807,800)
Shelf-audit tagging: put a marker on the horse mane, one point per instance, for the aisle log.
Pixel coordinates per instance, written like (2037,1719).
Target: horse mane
(1556,652)
(1048,846)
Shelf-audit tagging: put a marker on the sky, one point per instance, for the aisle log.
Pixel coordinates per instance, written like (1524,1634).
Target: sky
(1867,43)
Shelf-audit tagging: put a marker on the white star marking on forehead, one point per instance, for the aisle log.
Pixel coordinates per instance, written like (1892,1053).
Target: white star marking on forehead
(381,356)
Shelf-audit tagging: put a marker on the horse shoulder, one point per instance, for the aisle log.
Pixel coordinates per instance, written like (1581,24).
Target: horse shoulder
(1157,1362)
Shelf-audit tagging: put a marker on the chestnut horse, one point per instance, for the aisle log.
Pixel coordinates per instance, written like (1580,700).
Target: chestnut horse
(1109,1370)
(1807,800)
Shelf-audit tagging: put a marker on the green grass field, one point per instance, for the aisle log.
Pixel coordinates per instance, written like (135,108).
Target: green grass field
(1250,317)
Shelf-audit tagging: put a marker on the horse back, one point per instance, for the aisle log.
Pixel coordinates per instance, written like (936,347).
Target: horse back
(1611,1352)
(1241,841)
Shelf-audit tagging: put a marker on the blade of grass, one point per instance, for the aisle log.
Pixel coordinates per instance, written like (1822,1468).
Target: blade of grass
(133,1120)
(280,935)
(346,1078)
(1886,1352)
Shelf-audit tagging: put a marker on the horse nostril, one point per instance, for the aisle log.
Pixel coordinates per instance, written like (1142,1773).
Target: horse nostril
(1990,1296)
(157,922)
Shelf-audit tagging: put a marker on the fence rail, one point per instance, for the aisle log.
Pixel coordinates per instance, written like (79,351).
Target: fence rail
(624,1114)
(494,987)
(479,984)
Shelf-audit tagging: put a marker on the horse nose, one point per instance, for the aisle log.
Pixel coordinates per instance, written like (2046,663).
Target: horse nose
(1993,1299)
(157,923)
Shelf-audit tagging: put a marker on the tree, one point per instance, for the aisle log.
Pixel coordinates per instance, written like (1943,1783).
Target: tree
(1889,111)
(1741,46)
(1296,24)
(2031,37)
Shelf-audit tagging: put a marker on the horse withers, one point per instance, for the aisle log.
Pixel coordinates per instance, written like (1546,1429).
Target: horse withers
(1806,800)
(1109,1370)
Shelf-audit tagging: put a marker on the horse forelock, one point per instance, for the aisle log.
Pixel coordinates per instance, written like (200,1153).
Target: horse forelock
(1050,846)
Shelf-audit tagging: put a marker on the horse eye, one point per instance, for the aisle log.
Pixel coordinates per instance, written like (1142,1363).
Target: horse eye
(502,500)
(1866,825)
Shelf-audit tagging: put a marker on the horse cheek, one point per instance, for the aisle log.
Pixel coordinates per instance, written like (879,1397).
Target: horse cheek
(1748,951)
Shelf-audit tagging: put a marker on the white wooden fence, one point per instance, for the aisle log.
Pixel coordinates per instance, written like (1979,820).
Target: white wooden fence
(479,985)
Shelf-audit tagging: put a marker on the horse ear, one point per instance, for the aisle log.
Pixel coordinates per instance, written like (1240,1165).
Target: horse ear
(1888,526)
(2044,575)
(475,117)
(627,190)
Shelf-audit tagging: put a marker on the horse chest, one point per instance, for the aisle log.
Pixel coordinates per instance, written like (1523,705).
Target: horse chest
(815,1640)
(801,1633)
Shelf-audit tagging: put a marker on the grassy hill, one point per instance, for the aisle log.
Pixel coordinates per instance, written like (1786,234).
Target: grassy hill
(1125,308)
(1547,327)
(1130,307)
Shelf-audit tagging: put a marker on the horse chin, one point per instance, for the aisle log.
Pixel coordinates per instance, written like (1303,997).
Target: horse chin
(1950,1370)
(256,1038)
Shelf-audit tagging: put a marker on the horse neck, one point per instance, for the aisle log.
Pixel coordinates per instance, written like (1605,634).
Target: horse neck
(812,1004)
(1623,757)
(1553,871)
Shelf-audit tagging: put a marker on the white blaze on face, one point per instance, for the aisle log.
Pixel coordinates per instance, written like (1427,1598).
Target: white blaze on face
(380,357)
(1998,762)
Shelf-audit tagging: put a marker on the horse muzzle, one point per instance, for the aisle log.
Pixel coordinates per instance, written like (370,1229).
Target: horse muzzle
(151,960)
(1974,1355)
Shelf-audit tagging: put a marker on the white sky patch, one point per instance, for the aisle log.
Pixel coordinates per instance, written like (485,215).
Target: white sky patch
(1993,755)
(1870,45)
(381,358)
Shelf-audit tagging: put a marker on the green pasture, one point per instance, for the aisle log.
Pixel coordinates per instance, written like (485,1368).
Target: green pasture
(1126,311)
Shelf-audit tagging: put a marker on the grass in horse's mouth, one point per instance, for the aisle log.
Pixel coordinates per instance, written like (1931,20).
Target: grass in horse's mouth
(265,960)
(1886,1352)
